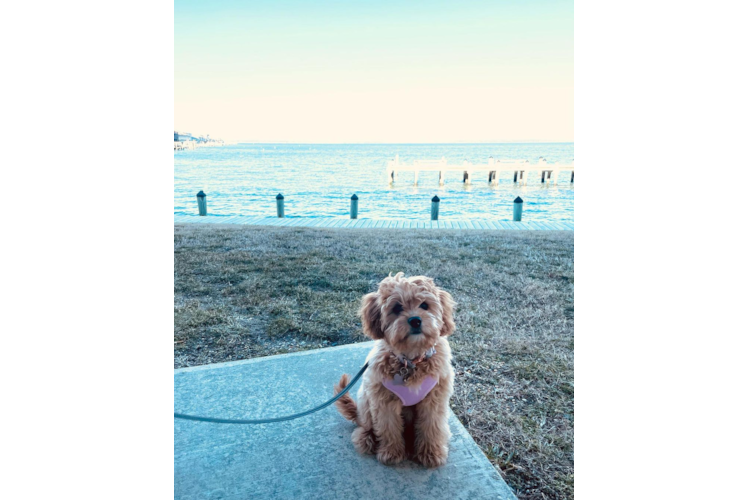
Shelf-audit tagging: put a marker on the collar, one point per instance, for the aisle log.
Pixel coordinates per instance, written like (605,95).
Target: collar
(408,362)
(408,365)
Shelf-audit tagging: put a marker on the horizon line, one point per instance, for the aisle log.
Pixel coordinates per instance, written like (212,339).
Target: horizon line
(414,143)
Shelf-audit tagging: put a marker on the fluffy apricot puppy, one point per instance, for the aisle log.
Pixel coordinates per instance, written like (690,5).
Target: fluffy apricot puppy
(403,400)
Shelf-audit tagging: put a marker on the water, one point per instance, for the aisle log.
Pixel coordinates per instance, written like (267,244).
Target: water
(318,180)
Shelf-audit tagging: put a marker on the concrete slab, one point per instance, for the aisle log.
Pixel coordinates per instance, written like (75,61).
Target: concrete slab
(311,457)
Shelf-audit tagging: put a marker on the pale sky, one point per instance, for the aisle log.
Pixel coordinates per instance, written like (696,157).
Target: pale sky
(352,71)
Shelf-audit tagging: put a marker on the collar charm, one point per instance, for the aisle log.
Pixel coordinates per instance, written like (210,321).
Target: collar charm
(408,366)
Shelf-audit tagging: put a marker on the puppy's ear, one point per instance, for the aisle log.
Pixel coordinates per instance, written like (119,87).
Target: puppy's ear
(371,316)
(448,322)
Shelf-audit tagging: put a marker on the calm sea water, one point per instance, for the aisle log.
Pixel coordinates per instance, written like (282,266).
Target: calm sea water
(318,180)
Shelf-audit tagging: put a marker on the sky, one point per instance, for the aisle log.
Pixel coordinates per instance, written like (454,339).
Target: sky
(375,71)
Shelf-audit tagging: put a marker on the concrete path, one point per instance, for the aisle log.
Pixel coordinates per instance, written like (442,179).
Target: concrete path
(311,457)
(470,224)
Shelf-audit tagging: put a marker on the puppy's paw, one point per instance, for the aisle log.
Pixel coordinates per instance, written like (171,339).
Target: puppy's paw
(432,456)
(364,441)
(391,456)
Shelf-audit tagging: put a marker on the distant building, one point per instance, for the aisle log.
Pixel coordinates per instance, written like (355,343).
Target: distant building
(186,136)
(183,136)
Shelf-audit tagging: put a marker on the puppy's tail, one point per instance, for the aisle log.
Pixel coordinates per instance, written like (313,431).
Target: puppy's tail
(345,405)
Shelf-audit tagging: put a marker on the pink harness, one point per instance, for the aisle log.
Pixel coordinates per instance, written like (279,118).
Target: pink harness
(410,395)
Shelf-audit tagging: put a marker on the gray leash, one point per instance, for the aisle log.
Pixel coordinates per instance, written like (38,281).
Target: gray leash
(277,419)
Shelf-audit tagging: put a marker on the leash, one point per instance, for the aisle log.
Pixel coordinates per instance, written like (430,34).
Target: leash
(277,419)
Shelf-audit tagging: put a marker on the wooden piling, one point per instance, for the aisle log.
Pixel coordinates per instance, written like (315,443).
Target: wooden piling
(435,208)
(466,174)
(354,206)
(518,209)
(516,169)
(279,201)
(392,170)
(202,204)
(544,173)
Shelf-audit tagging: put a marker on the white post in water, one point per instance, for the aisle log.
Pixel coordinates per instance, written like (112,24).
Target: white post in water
(279,203)
(435,208)
(202,205)
(442,172)
(518,209)
(415,178)
(354,206)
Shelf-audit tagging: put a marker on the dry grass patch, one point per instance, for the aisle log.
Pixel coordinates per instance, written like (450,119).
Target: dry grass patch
(242,292)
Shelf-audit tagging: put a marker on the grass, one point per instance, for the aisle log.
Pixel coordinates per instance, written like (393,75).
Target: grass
(243,292)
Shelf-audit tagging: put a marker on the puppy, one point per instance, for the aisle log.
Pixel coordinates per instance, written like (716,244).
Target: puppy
(403,400)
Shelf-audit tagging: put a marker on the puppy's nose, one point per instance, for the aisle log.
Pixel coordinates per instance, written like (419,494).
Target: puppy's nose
(415,322)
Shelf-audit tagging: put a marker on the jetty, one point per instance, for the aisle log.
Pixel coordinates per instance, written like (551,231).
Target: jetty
(518,170)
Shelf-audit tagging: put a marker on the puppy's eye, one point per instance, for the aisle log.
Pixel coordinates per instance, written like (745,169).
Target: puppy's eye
(397,309)
(424,306)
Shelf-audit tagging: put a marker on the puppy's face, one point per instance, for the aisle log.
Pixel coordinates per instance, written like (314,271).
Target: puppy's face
(408,313)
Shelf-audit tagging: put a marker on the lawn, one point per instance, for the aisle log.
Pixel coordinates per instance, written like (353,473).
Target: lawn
(244,292)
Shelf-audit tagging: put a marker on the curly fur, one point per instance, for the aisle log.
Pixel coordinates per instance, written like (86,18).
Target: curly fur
(384,425)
